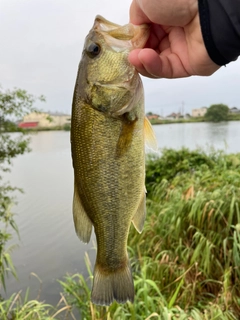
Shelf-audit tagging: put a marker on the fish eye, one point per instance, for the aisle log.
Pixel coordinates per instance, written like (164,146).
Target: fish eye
(93,50)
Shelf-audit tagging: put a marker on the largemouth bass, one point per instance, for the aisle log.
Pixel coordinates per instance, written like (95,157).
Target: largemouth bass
(108,152)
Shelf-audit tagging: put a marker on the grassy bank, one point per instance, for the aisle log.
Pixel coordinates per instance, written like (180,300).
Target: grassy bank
(186,262)
(231,117)
(14,128)
(66,127)
(180,120)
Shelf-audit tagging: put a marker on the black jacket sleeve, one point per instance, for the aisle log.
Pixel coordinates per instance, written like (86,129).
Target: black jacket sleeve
(220,24)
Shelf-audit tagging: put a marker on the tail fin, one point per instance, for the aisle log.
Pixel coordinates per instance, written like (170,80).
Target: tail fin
(117,285)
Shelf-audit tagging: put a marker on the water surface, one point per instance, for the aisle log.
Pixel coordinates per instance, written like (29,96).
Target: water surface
(48,245)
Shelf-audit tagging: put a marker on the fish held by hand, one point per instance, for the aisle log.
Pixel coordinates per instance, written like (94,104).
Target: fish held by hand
(108,152)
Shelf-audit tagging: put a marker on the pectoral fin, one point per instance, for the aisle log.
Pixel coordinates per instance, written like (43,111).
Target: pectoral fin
(126,135)
(83,224)
(150,138)
(140,215)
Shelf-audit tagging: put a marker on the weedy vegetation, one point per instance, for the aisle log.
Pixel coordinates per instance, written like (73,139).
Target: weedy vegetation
(186,262)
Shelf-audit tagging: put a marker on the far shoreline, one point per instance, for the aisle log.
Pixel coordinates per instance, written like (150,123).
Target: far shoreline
(191,120)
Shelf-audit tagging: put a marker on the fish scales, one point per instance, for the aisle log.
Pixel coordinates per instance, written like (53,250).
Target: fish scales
(108,177)
(107,138)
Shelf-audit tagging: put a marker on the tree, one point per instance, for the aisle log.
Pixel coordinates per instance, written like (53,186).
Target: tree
(217,113)
(14,104)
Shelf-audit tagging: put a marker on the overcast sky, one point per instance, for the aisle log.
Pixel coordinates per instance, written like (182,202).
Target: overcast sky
(41,43)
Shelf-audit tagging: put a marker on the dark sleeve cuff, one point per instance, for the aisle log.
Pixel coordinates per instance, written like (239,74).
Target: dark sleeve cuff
(220,25)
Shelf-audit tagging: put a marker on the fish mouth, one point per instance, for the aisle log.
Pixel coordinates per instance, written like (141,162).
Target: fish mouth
(121,38)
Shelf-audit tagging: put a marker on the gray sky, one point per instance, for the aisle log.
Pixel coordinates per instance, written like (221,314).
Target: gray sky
(41,44)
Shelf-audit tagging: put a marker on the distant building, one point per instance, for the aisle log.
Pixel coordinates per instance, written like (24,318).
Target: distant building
(28,125)
(152,116)
(174,115)
(199,112)
(44,120)
(187,116)
(234,110)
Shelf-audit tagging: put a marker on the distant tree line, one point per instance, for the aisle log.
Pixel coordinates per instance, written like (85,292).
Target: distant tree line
(217,113)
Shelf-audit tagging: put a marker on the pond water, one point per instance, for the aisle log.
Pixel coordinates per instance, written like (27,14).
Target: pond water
(48,246)
(223,135)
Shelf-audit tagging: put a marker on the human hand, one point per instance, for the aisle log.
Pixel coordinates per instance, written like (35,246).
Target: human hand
(175,47)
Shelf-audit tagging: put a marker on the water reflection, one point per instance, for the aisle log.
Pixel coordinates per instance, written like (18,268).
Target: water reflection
(224,135)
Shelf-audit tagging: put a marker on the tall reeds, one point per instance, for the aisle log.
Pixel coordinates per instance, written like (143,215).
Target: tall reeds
(186,262)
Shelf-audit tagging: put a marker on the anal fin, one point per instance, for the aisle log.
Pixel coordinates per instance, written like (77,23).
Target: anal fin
(140,215)
(83,224)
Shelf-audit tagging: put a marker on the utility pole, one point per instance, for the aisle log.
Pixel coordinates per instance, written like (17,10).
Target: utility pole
(183,104)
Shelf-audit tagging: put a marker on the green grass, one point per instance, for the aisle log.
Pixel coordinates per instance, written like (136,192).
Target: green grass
(230,117)
(179,120)
(186,262)
(21,308)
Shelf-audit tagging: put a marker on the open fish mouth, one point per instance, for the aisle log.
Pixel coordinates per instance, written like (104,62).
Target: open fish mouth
(122,38)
